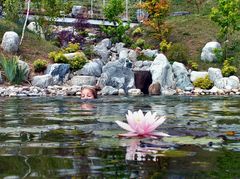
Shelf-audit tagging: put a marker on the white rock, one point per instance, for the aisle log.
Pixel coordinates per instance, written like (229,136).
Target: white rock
(197,74)
(42,81)
(134,92)
(83,80)
(214,74)
(208,51)
(36,28)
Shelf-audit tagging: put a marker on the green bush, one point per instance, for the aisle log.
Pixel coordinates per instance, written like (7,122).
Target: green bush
(203,83)
(178,53)
(72,47)
(13,9)
(78,61)
(164,46)
(12,71)
(193,65)
(58,57)
(140,42)
(39,65)
(228,69)
(137,32)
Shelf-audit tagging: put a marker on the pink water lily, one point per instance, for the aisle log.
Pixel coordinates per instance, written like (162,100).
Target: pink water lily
(142,125)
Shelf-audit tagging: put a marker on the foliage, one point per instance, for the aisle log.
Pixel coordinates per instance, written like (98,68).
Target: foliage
(203,83)
(137,32)
(179,53)
(143,57)
(165,46)
(13,9)
(39,65)
(57,57)
(219,54)
(78,61)
(193,65)
(12,71)
(226,15)
(81,23)
(140,42)
(113,9)
(72,47)
(157,11)
(197,3)
(228,69)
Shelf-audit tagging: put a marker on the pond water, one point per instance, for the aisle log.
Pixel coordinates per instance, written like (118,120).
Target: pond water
(64,137)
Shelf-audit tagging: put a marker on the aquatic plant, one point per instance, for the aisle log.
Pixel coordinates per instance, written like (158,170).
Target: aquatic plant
(142,125)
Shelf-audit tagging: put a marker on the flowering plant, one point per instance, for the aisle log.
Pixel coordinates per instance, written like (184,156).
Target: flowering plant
(142,125)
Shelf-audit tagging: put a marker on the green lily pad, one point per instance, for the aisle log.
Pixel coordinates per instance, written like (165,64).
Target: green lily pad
(177,153)
(190,140)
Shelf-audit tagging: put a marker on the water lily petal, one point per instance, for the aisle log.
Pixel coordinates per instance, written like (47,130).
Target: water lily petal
(125,126)
(160,134)
(157,123)
(130,120)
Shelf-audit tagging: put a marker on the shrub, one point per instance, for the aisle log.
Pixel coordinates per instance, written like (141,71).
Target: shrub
(72,47)
(57,57)
(12,71)
(12,8)
(203,83)
(164,46)
(140,42)
(78,61)
(178,53)
(143,57)
(228,69)
(193,65)
(137,32)
(39,65)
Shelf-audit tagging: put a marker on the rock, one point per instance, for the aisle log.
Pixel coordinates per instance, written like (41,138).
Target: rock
(119,46)
(123,54)
(92,68)
(10,42)
(70,56)
(42,81)
(1,79)
(109,90)
(228,83)
(161,71)
(215,74)
(115,74)
(101,49)
(214,90)
(182,77)
(150,53)
(121,92)
(36,28)
(154,89)
(132,55)
(143,80)
(59,72)
(83,80)
(23,65)
(197,74)
(208,53)
(78,10)
(134,92)
(168,92)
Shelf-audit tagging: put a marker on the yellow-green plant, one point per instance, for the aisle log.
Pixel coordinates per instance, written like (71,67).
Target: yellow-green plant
(78,61)
(164,45)
(228,69)
(137,31)
(203,83)
(72,47)
(39,65)
(58,57)
(140,42)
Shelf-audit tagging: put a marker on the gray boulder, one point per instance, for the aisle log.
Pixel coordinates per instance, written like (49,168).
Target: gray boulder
(83,80)
(123,54)
(162,73)
(215,74)
(92,68)
(102,49)
(109,90)
(10,42)
(150,53)
(182,77)
(42,81)
(119,46)
(36,28)
(231,82)
(59,72)
(197,74)
(24,65)
(128,54)
(208,54)
(117,75)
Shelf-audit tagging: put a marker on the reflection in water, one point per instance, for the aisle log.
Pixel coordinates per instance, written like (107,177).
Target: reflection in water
(68,137)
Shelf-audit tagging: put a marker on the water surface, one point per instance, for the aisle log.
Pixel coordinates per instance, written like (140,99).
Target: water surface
(64,137)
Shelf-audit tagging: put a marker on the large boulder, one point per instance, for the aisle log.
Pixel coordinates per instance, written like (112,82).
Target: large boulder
(197,74)
(162,73)
(229,83)
(150,53)
(143,80)
(215,74)
(36,28)
(102,49)
(10,42)
(182,77)
(42,81)
(92,68)
(83,80)
(117,75)
(59,71)
(24,66)
(208,52)
(154,89)
(109,90)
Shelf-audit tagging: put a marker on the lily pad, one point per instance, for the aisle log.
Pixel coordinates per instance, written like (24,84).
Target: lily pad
(190,140)
(177,153)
